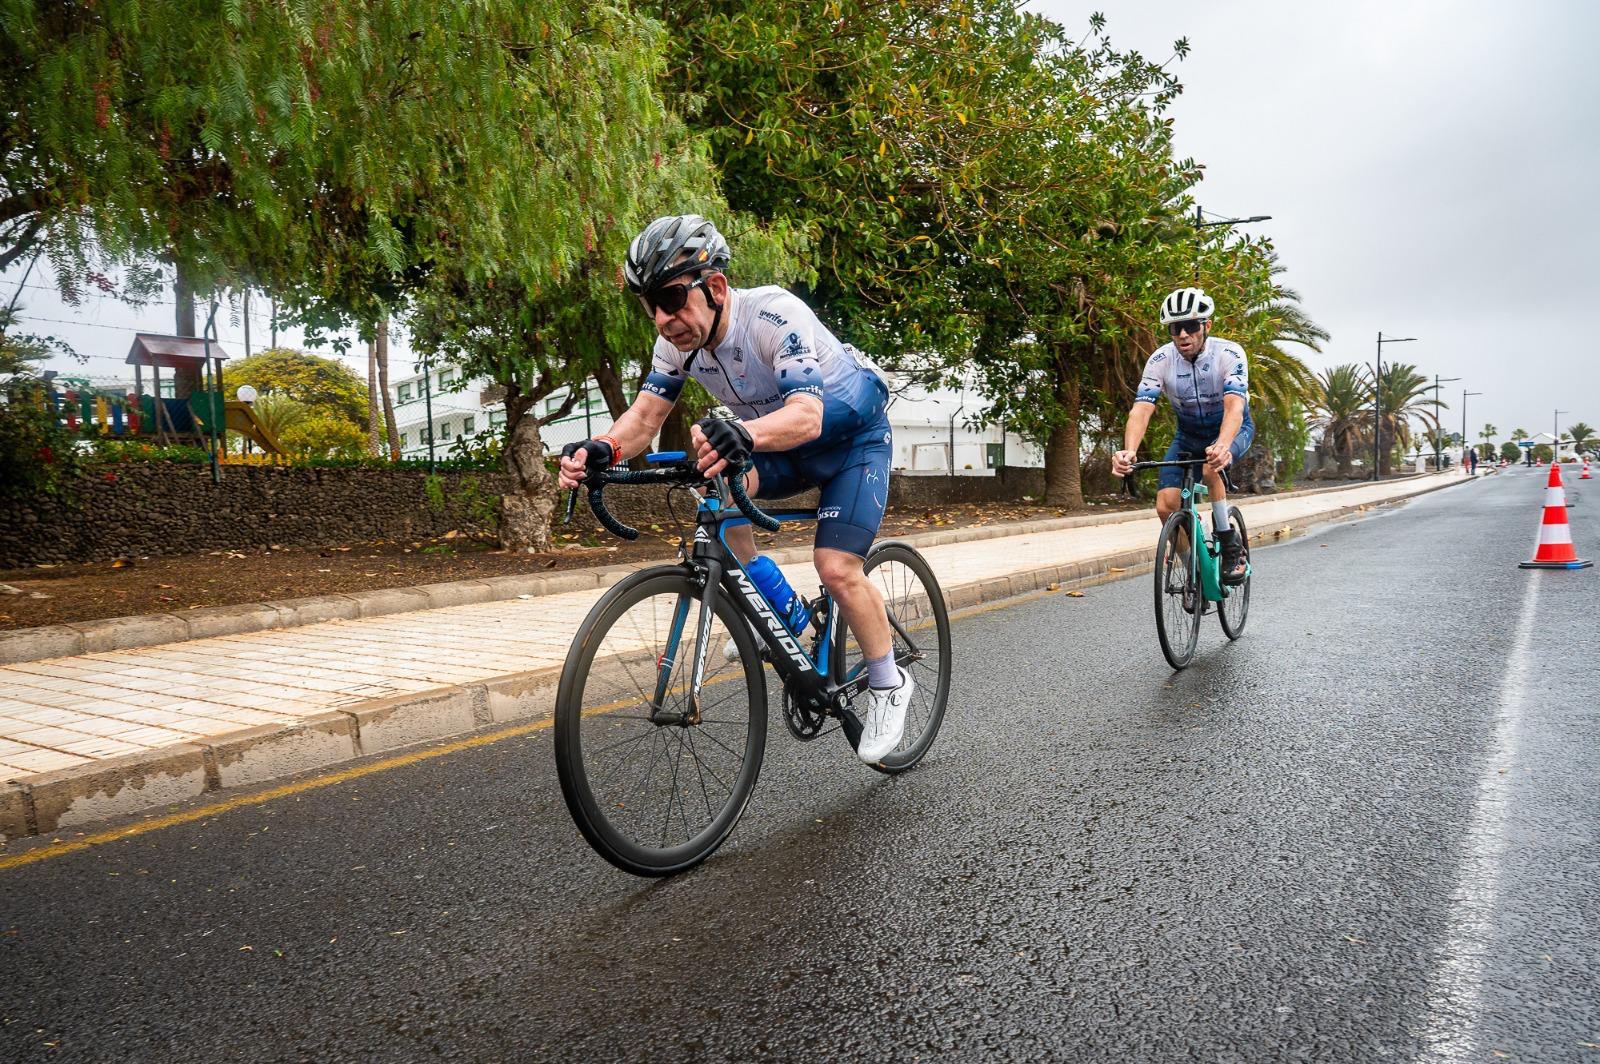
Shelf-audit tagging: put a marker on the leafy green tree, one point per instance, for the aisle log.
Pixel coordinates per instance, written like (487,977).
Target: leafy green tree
(1583,436)
(321,436)
(334,156)
(1542,452)
(1510,451)
(1343,413)
(1519,434)
(326,387)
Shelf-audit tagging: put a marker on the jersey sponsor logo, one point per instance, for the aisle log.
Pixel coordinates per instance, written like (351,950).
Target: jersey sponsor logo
(827,512)
(775,319)
(794,347)
(654,389)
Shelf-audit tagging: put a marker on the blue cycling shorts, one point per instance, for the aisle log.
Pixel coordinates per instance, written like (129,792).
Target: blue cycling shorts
(850,463)
(1193,438)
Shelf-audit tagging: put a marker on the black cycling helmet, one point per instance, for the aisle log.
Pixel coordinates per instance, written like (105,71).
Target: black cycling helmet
(670,247)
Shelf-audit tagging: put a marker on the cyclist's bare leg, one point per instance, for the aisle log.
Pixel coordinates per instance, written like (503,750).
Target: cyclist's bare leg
(859,600)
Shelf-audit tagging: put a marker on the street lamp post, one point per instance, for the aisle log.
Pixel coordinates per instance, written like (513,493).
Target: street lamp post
(1438,427)
(1464,394)
(1555,430)
(1201,223)
(1377,400)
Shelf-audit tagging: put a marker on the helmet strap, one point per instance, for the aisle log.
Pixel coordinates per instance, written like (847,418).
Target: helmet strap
(716,319)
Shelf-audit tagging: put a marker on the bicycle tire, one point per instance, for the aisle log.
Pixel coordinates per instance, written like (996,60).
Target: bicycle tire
(914,599)
(1179,601)
(1234,608)
(616,665)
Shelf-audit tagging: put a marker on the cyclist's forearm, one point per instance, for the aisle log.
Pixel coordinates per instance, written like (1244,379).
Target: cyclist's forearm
(797,422)
(1138,421)
(1232,419)
(639,424)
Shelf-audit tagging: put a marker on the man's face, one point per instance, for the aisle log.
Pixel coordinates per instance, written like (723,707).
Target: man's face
(1189,336)
(689,327)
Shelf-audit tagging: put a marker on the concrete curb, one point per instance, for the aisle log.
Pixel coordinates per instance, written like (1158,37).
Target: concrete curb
(154,629)
(139,783)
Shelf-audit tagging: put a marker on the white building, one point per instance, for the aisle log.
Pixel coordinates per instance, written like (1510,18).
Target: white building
(932,426)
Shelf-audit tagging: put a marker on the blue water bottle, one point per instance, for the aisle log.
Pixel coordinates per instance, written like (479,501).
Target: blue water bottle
(766,575)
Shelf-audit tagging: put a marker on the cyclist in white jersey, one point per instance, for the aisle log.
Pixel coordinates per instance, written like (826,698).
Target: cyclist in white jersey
(1207,380)
(809,412)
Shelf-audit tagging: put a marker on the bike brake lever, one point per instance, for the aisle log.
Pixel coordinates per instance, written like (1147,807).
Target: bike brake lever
(572,504)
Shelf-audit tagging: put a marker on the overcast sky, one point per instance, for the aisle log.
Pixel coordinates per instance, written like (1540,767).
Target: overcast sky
(1431,169)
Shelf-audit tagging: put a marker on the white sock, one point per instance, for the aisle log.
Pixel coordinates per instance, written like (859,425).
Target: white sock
(1219,517)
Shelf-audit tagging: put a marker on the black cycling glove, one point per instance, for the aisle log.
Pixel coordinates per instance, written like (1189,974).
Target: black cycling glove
(729,438)
(598,454)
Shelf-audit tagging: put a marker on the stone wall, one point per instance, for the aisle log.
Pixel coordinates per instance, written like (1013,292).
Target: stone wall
(163,509)
(139,509)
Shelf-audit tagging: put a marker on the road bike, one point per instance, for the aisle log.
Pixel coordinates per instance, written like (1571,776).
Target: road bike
(1188,583)
(660,732)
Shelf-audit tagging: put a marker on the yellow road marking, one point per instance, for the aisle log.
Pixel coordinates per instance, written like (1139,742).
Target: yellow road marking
(188,816)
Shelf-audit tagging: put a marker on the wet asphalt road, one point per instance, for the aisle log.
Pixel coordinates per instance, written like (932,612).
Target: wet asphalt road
(1367,831)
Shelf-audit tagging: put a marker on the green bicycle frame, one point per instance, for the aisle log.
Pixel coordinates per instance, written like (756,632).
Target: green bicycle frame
(1206,557)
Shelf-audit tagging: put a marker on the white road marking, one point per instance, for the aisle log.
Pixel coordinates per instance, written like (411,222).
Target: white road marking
(1455,995)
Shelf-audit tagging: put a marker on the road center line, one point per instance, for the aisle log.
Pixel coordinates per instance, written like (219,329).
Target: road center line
(1455,998)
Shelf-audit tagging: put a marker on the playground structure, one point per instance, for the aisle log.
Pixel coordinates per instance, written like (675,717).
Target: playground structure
(197,414)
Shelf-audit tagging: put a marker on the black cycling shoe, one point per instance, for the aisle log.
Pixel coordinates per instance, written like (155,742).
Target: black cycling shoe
(1234,569)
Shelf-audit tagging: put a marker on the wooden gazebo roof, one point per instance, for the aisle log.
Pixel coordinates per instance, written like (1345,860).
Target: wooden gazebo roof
(171,352)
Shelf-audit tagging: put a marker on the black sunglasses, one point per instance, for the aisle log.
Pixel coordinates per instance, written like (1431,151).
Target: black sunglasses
(1184,327)
(670,298)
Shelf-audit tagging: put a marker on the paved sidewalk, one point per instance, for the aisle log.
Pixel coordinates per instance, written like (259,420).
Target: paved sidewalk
(101,734)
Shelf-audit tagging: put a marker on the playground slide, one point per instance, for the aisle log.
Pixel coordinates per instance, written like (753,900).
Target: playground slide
(241,418)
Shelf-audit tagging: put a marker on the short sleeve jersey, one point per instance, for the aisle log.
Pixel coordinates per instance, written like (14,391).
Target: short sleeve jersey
(774,347)
(1196,388)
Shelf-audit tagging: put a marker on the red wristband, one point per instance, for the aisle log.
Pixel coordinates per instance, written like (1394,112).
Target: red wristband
(616,447)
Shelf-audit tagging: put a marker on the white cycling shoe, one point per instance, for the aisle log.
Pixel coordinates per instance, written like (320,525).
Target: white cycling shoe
(885,720)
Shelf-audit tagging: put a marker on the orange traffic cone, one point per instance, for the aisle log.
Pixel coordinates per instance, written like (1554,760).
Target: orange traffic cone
(1554,550)
(1585,475)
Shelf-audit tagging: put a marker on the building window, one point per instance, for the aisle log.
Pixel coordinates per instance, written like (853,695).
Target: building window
(444,429)
(403,441)
(467,425)
(403,393)
(497,418)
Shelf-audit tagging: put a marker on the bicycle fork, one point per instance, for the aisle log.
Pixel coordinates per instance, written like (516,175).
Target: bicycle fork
(659,714)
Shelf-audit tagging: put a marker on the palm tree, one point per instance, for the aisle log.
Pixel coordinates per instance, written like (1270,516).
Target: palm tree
(1281,384)
(1487,436)
(1339,410)
(1402,396)
(1582,436)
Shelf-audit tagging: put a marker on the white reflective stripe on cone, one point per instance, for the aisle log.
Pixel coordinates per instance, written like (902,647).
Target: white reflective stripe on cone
(1552,534)
(1554,497)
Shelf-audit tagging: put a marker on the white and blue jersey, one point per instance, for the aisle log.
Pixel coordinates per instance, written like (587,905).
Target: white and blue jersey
(1196,388)
(774,348)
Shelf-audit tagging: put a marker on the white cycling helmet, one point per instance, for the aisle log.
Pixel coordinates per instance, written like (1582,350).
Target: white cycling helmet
(1186,304)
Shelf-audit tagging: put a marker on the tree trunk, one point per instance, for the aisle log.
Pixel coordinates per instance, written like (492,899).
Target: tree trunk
(380,350)
(525,513)
(183,292)
(1063,473)
(610,382)
(373,410)
(675,430)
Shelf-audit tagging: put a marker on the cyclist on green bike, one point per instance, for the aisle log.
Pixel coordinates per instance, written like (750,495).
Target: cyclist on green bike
(1208,383)
(810,413)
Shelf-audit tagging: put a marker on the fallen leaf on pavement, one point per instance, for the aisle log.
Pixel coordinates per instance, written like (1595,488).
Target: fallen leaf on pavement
(1075,594)
(1052,587)
(1116,569)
